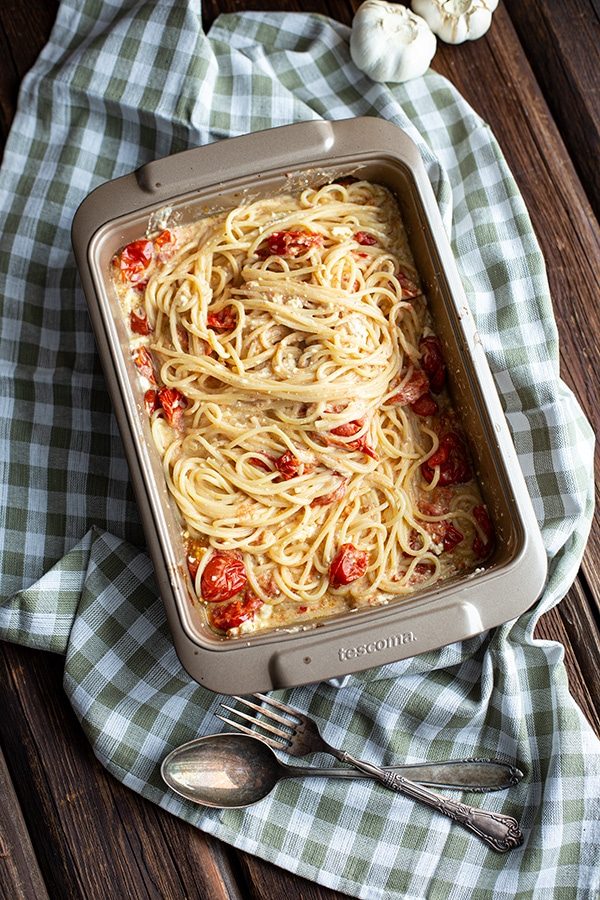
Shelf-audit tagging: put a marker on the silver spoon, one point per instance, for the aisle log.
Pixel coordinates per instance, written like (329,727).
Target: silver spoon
(237,770)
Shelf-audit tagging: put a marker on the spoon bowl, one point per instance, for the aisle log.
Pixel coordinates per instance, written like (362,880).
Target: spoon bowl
(223,770)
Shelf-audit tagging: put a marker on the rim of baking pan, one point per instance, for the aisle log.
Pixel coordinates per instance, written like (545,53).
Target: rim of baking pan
(185,181)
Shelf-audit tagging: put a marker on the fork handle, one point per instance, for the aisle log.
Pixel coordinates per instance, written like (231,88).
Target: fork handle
(500,832)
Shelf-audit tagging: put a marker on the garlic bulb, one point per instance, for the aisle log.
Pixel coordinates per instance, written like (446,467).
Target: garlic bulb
(455,21)
(389,43)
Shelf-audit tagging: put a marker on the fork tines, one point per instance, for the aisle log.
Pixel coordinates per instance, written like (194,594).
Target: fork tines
(282,738)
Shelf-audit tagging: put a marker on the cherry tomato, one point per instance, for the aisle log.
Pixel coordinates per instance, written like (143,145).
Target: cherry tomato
(409,288)
(152,401)
(333,496)
(260,463)
(165,237)
(483,548)
(452,537)
(348,564)
(134,259)
(288,465)
(364,238)
(224,320)
(415,387)
(194,555)
(173,403)
(290,243)
(231,615)
(425,405)
(432,360)
(144,362)
(421,572)
(183,337)
(139,322)
(451,457)
(223,576)
(348,430)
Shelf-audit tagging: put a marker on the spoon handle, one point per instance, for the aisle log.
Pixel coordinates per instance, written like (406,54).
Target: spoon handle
(481,775)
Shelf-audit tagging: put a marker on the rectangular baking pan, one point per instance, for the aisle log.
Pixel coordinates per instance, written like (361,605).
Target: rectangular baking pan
(181,189)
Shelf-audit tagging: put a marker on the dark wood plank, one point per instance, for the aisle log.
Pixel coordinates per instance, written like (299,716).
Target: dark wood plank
(9,85)
(494,76)
(20,876)
(341,10)
(24,29)
(562,42)
(92,836)
(571,624)
(27,27)
(267,882)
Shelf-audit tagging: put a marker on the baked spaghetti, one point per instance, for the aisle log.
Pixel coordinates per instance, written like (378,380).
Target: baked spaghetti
(297,396)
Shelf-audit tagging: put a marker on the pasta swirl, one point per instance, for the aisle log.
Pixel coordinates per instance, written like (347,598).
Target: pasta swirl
(287,349)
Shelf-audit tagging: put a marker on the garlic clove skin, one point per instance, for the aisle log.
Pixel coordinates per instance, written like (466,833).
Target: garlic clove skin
(455,21)
(389,42)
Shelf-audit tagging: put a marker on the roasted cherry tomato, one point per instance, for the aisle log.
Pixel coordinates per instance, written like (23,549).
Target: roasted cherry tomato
(409,288)
(152,401)
(139,322)
(425,405)
(231,615)
(195,551)
(483,548)
(134,259)
(288,465)
(421,572)
(416,386)
(183,337)
(173,403)
(145,364)
(223,576)
(451,457)
(165,237)
(290,243)
(260,463)
(164,246)
(452,537)
(364,238)
(224,320)
(432,360)
(348,564)
(333,496)
(348,430)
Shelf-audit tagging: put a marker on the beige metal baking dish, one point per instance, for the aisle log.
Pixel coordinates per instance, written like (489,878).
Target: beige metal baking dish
(197,182)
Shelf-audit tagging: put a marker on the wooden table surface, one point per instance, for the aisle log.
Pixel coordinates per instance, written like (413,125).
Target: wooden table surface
(70,830)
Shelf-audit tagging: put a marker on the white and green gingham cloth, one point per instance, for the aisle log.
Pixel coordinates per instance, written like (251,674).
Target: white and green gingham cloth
(122,82)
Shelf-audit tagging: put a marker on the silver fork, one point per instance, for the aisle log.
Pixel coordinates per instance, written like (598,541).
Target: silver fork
(302,737)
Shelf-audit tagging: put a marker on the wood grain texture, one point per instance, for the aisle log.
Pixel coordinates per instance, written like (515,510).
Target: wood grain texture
(24,29)
(570,624)
(562,42)
(20,876)
(566,228)
(266,882)
(93,837)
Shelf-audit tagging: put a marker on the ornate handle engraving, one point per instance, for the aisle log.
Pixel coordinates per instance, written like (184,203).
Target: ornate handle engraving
(500,832)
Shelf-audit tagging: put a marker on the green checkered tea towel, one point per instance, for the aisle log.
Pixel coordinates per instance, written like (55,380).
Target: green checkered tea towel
(120,83)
